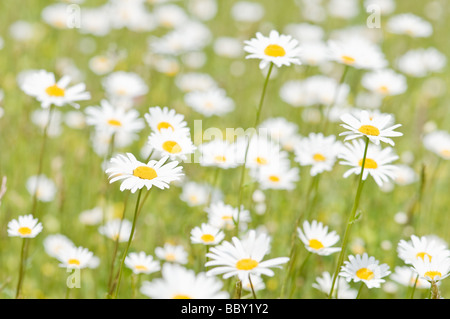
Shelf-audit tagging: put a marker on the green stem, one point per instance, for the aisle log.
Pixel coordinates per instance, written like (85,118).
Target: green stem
(299,273)
(238,290)
(351,219)
(251,286)
(359,291)
(414,287)
(22,266)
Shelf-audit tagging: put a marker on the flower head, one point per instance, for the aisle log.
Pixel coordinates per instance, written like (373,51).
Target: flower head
(141,263)
(317,239)
(25,226)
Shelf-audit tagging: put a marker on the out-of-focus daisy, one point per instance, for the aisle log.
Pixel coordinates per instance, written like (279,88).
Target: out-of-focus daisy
(92,216)
(343,9)
(244,257)
(218,153)
(366,269)
(343,291)
(405,175)
(55,244)
(409,24)
(305,32)
(102,64)
(385,7)
(420,247)
(317,239)
(116,229)
(377,163)
(76,257)
(376,127)
(52,122)
(195,81)
(123,87)
(175,144)
(178,282)
(196,194)
(25,227)
(438,142)
(384,82)
(207,235)
(277,49)
(164,118)
(224,216)
(56,15)
(211,102)
(172,253)
(228,47)
(314,53)
(406,276)
(421,62)
(42,187)
(278,129)
(318,151)
(262,151)
(141,263)
(136,175)
(247,11)
(111,119)
(434,269)
(276,176)
(43,86)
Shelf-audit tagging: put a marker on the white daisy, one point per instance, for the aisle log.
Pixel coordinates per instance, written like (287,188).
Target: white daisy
(178,282)
(366,269)
(164,118)
(376,127)
(195,81)
(421,247)
(211,102)
(175,144)
(433,270)
(43,86)
(42,187)
(385,82)
(438,142)
(218,153)
(377,163)
(207,235)
(317,239)
(141,263)
(25,227)
(277,49)
(409,24)
(406,276)
(225,216)
(278,129)
(281,177)
(172,253)
(262,151)
(136,175)
(116,229)
(55,244)
(243,257)
(197,194)
(123,87)
(421,62)
(76,257)
(342,291)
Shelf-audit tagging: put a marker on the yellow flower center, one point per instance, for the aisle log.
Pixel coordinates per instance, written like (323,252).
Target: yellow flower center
(422,255)
(369,130)
(164,125)
(274,178)
(114,122)
(319,157)
(24,231)
(261,160)
(227,217)
(55,90)
(74,261)
(180,296)
(383,89)
(170,257)
(246,264)
(432,274)
(445,153)
(365,274)
(145,172)
(172,147)
(315,244)
(274,50)
(207,238)
(140,267)
(370,163)
(220,159)
(347,59)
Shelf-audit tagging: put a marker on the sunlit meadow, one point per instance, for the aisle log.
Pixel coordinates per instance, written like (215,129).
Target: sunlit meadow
(224,149)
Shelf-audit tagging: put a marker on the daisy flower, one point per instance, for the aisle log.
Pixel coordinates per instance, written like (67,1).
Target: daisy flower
(116,229)
(76,257)
(218,153)
(421,62)
(432,270)
(276,176)
(195,81)
(317,239)
(278,129)
(257,283)
(262,151)
(123,87)
(438,142)
(377,127)
(318,151)
(243,257)
(366,269)
(343,290)
(206,235)
(55,244)
(224,216)
(406,276)
(164,118)
(405,175)
(175,144)
(172,253)
(43,86)
(25,227)
(385,82)
(277,49)
(197,194)
(409,24)
(42,187)
(377,162)
(111,119)
(178,282)
(141,263)
(421,247)
(211,102)
(136,175)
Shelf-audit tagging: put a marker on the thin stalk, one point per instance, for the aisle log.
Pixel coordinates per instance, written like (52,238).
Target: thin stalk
(414,287)
(351,219)
(251,286)
(359,291)
(238,290)
(22,266)
(336,95)
(299,273)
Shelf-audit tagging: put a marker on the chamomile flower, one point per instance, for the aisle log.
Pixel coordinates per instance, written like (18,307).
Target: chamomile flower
(172,253)
(277,49)
(405,175)
(55,244)
(122,87)
(243,258)
(112,119)
(377,163)
(421,247)
(343,289)
(218,153)
(207,235)
(141,263)
(195,81)
(175,144)
(257,283)
(43,86)
(318,151)
(281,177)
(366,269)
(197,194)
(421,62)
(433,270)
(317,239)
(76,257)
(279,129)
(262,151)
(377,127)
(385,82)
(178,282)
(406,276)
(409,24)
(247,11)
(224,216)
(116,229)
(42,187)
(210,102)
(164,118)
(438,142)
(25,227)
(136,175)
